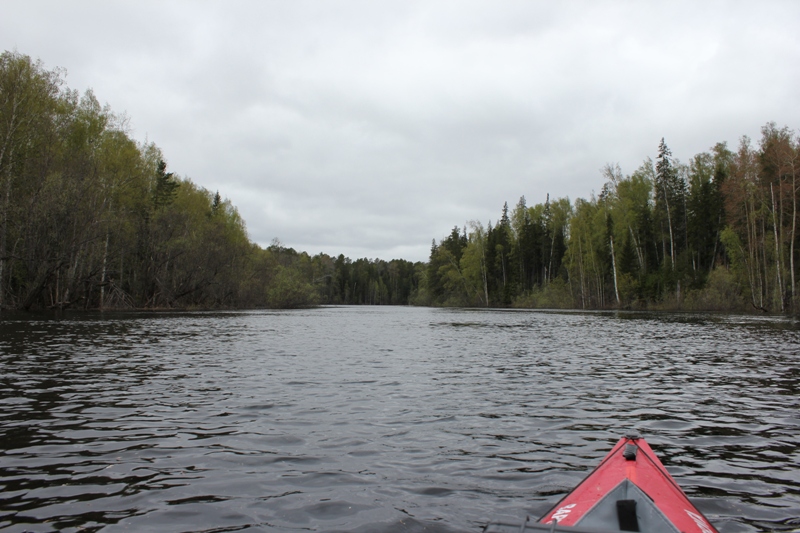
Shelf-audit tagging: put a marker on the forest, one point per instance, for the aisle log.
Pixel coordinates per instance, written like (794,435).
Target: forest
(716,233)
(92,219)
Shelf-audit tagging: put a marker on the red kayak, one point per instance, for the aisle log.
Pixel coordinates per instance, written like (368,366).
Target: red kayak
(630,490)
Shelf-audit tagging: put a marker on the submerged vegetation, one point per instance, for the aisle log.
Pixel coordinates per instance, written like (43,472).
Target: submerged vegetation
(89,218)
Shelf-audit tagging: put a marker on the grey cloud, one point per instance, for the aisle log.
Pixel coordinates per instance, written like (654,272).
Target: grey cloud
(369,128)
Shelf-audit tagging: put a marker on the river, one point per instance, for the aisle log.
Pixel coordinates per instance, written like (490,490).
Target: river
(385,418)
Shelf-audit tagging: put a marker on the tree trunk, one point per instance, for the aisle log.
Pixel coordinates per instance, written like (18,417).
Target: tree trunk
(794,226)
(580,268)
(6,207)
(638,251)
(614,267)
(777,249)
(4,237)
(503,265)
(552,249)
(484,273)
(752,264)
(103,273)
(671,239)
(716,242)
(765,287)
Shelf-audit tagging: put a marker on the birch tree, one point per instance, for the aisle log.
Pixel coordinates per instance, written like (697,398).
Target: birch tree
(28,100)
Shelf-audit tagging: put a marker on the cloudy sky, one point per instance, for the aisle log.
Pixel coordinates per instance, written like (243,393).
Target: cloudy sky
(371,127)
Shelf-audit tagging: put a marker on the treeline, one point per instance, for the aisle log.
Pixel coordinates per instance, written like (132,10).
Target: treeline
(717,233)
(89,218)
(362,282)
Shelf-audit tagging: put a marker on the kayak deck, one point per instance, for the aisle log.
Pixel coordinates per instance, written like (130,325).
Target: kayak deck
(630,490)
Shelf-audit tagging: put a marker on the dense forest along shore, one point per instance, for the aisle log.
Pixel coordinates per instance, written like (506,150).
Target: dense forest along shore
(92,219)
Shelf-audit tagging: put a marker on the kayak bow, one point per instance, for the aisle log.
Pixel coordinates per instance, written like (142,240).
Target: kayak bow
(630,490)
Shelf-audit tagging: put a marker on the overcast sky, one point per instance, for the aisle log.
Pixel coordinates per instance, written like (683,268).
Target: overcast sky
(370,128)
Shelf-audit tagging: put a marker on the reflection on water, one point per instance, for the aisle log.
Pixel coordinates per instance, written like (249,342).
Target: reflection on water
(387,419)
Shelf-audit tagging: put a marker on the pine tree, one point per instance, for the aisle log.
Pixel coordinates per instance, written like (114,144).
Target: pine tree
(166,186)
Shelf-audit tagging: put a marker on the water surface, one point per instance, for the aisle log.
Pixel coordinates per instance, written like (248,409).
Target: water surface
(384,419)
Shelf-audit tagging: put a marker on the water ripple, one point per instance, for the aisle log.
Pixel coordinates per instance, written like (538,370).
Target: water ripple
(384,419)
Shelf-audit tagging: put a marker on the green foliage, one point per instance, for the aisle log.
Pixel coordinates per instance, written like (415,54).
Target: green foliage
(91,219)
(722,292)
(669,236)
(554,295)
(289,291)
(165,187)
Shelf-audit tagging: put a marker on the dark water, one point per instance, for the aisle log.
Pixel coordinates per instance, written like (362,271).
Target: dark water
(384,419)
